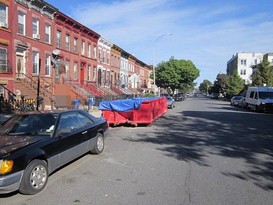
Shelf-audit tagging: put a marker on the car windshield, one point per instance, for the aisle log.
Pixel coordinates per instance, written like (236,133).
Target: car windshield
(237,98)
(266,95)
(30,124)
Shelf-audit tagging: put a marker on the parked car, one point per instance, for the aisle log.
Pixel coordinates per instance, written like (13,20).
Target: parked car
(235,100)
(34,144)
(4,117)
(170,102)
(179,96)
(260,99)
(242,102)
(214,95)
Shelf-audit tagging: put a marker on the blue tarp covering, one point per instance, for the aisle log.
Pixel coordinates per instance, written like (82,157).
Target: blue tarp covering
(123,105)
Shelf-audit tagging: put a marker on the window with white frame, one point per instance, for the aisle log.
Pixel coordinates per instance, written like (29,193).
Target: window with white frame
(67,69)
(89,50)
(243,61)
(99,54)
(47,33)
(94,73)
(75,71)
(3,60)
(58,41)
(88,72)
(67,42)
(108,58)
(83,48)
(35,26)
(75,45)
(103,58)
(21,23)
(95,52)
(3,15)
(243,72)
(47,65)
(35,62)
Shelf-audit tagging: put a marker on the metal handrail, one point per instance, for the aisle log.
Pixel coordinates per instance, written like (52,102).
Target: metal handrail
(34,85)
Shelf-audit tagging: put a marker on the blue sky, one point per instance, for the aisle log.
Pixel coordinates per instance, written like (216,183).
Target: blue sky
(207,32)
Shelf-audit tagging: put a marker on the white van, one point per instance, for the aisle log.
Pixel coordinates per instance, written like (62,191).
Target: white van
(259,98)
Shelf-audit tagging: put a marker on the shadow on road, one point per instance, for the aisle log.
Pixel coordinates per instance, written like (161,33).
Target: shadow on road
(193,135)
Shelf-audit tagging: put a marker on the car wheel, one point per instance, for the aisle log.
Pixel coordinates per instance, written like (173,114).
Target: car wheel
(99,145)
(34,178)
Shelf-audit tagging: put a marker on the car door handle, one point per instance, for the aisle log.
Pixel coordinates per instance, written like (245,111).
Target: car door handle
(84,132)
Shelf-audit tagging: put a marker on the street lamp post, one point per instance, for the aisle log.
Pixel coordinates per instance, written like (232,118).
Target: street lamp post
(161,36)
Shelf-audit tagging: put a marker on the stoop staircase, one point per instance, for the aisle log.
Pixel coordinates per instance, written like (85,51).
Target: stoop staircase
(28,88)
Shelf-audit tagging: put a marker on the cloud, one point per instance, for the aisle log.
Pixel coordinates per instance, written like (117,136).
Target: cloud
(206,32)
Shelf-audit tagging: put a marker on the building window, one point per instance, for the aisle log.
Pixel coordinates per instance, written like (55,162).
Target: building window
(3,60)
(58,36)
(47,33)
(67,42)
(35,62)
(75,45)
(83,47)
(243,72)
(35,26)
(100,55)
(103,59)
(243,61)
(21,23)
(94,73)
(95,52)
(47,65)
(75,71)
(67,70)
(3,15)
(88,72)
(108,58)
(89,51)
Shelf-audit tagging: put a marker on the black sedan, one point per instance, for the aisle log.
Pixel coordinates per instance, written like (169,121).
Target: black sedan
(33,145)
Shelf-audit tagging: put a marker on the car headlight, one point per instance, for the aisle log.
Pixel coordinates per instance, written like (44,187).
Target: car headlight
(5,166)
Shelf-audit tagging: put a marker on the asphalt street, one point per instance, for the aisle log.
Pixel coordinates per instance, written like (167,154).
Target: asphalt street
(202,152)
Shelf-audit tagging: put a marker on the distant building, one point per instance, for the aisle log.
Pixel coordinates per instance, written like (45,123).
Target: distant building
(243,63)
(268,57)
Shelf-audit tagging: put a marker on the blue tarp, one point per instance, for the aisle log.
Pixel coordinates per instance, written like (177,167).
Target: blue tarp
(123,105)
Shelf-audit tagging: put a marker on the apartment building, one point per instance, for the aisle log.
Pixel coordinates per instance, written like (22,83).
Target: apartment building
(6,47)
(243,63)
(38,43)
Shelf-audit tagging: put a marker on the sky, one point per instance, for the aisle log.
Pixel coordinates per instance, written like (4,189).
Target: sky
(207,32)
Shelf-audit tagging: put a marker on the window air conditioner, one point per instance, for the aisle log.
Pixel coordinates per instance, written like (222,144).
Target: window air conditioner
(37,36)
(3,25)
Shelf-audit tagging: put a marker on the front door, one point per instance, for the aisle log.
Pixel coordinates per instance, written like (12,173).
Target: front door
(20,67)
(82,74)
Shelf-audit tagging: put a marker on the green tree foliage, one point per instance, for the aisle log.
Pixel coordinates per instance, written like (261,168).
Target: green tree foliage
(205,86)
(264,74)
(176,74)
(220,84)
(235,84)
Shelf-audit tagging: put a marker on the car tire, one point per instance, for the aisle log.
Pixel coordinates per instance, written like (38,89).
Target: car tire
(99,145)
(34,178)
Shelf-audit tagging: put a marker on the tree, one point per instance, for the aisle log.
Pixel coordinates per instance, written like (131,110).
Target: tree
(205,86)
(263,75)
(235,84)
(176,74)
(220,84)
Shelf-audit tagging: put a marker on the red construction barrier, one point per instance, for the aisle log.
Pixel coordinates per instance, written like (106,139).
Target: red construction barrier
(148,112)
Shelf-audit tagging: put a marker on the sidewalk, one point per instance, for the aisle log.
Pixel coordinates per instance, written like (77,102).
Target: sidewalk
(96,112)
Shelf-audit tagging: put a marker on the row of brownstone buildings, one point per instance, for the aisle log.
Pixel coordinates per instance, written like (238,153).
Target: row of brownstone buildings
(38,43)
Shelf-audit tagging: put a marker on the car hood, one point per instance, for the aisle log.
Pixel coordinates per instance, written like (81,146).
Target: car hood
(10,143)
